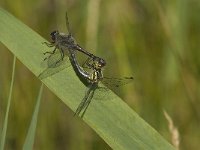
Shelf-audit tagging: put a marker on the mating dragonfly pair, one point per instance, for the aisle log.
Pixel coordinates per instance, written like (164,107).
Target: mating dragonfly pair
(56,61)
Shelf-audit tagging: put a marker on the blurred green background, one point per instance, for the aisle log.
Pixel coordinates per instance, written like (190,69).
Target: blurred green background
(158,42)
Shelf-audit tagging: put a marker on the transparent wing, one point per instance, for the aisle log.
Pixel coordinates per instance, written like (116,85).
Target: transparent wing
(102,93)
(53,64)
(86,100)
(84,103)
(93,92)
(67,23)
(116,82)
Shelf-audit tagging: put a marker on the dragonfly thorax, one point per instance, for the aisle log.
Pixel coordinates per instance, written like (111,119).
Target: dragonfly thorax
(71,40)
(96,76)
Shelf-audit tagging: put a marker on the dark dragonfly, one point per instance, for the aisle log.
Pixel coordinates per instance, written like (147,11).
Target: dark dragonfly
(92,79)
(63,42)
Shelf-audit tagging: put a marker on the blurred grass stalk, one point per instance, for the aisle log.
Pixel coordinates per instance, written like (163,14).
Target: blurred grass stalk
(5,124)
(92,24)
(29,141)
(175,139)
(176,36)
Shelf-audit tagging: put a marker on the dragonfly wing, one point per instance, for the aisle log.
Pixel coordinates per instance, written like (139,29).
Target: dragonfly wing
(116,82)
(89,99)
(53,64)
(81,106)
(67,23)
(85,102)
(101,94)
(55,60)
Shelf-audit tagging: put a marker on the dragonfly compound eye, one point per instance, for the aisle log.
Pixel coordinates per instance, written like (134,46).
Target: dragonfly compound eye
(102,62)
(53,35)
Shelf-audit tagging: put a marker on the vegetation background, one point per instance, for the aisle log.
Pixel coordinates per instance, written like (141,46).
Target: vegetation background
(155,41)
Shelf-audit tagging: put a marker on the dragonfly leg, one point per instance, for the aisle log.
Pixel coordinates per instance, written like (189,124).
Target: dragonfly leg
(87,64)
(49,44)
(49,53)
(84,64)
(62,56)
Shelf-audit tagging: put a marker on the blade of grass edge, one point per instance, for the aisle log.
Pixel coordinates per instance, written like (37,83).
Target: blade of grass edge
(29,141)
(117,124)
(5,124)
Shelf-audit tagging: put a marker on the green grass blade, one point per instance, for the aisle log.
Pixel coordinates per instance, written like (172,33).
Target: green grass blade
(113,120)
(29,141)
(5,124)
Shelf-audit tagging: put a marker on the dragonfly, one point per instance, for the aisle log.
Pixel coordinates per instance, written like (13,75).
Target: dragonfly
(62,41)
(92,79)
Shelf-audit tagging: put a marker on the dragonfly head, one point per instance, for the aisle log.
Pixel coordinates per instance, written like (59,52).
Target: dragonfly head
(99,63)
(54,34)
